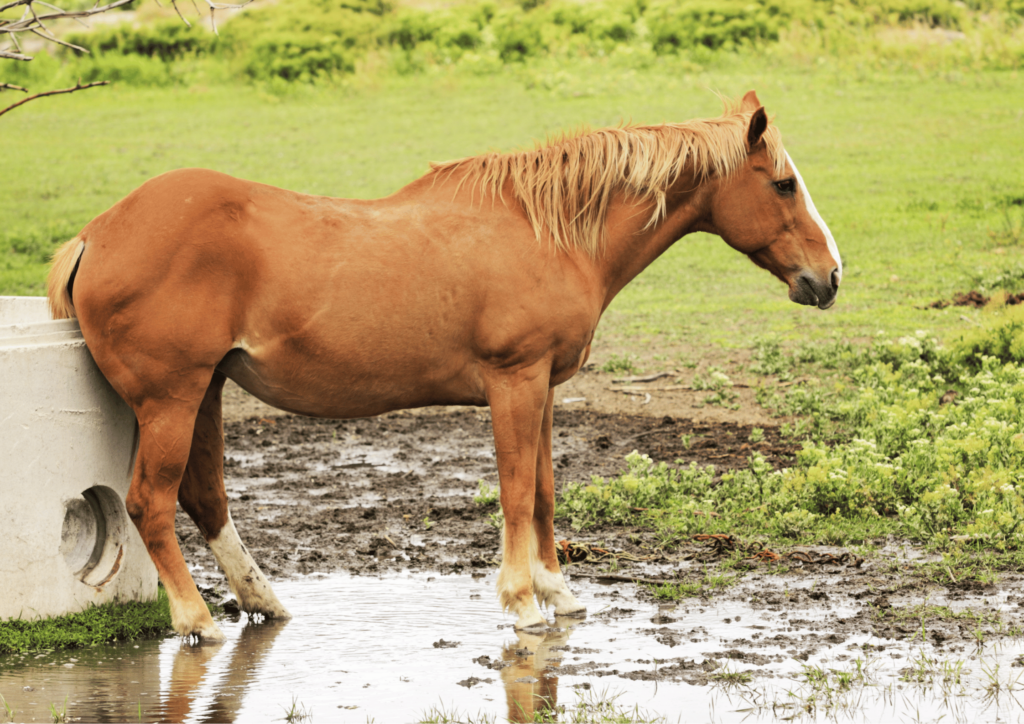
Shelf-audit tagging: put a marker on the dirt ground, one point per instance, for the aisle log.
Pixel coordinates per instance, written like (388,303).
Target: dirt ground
(397,491)
(370,496)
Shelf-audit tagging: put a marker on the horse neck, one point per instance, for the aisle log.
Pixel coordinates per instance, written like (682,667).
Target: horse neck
(630,247)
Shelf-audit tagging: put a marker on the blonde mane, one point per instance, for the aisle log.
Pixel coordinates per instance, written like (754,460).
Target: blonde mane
(566,185)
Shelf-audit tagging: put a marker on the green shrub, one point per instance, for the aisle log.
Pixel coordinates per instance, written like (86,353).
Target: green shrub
(1002,338)
(138,70)
(889,448)
(164,39)
(312,40)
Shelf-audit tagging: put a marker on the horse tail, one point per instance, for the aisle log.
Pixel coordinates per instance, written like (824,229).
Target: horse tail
(61,278)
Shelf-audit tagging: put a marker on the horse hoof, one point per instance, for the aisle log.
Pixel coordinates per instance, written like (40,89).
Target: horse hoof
(206,635)
(529,622)
(578,611)
(567,604)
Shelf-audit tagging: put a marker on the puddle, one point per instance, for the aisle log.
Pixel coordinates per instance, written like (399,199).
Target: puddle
(389,649)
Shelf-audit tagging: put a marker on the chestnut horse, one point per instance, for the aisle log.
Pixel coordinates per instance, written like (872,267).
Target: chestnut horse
(481,283)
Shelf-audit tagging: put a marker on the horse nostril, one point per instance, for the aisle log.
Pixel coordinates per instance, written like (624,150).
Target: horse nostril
(835,280)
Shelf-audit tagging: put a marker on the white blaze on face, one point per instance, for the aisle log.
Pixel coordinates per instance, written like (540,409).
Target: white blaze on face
(832,248)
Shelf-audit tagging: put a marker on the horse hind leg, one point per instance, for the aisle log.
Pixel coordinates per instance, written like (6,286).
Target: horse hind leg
(165,428)
(203,497)
(548,582)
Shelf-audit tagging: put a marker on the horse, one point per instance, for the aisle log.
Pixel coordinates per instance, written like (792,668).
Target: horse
(481,283)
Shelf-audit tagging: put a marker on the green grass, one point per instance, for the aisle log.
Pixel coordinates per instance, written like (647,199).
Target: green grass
(98,625)
(710,583)
(909,170)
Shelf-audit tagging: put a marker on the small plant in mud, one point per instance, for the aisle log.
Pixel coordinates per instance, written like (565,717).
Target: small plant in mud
(438,714)
(948,674)
(59,716)
(715,379)
(8,709)
(427,523)
(756,435)
(770,360)
(486,495)
(719,384)
(673,591)
(297,712)
(624,364)
(729,678)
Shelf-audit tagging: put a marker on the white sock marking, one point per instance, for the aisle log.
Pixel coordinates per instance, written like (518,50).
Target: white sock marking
(247,582)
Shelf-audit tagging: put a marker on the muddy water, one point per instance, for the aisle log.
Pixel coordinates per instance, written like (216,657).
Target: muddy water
(389,649)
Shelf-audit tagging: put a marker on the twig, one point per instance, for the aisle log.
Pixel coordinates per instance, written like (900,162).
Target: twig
(178,10)
(78,86)
(673,388)
(14,56)
(646,378)
(9,86)
(620,577)
(639,435)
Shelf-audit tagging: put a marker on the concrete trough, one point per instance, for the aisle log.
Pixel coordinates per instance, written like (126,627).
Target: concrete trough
(67,449)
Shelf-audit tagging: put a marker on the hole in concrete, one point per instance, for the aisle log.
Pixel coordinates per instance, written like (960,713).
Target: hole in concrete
(93,535)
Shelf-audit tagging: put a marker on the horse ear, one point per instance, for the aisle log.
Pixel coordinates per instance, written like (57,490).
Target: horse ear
(756,129)
(750,102)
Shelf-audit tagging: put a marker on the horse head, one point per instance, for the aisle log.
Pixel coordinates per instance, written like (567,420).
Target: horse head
(765,211)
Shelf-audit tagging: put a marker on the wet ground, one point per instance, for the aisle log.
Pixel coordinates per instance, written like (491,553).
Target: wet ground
(369,531)
(396,492)
(404,646)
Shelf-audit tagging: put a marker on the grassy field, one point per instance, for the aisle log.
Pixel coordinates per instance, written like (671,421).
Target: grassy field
(917,175)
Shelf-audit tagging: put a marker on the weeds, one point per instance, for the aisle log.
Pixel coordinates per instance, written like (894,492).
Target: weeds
(486,495)
(948,674)
(728,678)
(438,714)
(8,709)
(675,591)
(907,462)
(624,364)
(594,707)
(297,712)
(59,716)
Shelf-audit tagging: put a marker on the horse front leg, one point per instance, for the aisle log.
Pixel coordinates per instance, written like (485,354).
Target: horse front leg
(548,581)
(517,410)
(203,497)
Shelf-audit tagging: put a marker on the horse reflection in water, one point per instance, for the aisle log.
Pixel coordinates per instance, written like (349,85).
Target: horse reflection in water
(191,669)
(530,678)
(529,675)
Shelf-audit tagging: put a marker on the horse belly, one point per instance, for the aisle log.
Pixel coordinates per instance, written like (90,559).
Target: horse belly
(320,388)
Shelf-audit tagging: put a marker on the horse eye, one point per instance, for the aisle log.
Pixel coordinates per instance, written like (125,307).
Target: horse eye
(786,187)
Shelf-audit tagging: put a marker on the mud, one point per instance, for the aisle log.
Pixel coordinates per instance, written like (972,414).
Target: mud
(396,492)
(370,533)
(973,299)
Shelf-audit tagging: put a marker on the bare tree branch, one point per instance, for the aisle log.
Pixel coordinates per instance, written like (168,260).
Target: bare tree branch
(36,23)
(77,87)
(33,22)
(213,8)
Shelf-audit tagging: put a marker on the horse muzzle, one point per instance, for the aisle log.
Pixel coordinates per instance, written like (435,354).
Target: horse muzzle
(810,290)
